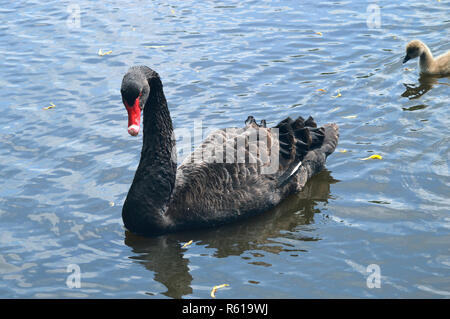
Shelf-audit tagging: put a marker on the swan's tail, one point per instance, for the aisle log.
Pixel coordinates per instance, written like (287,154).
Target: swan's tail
(331,138)
(314,160)
(303,144)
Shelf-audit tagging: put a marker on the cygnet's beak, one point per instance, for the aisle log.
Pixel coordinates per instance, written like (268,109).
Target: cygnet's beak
(406,59)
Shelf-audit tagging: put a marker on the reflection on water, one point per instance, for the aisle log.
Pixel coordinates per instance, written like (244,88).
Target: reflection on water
(426,82)
(165,257)
(65,171)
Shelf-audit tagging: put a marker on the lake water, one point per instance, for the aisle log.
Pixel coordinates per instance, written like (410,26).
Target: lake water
(65,171)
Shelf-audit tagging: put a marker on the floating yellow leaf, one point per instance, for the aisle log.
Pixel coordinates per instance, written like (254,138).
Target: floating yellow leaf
(101,53)
(349,117)
(338,95)
(49,107)
(321,90)
(187,244)
(342,151)
(319,33)
(172,10)
(111,204)
(213,291)
(375,156)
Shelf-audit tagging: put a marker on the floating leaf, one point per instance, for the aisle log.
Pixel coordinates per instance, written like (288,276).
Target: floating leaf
(349,117)
(338,95)
(172,10)
(187,244)
(213,291)
(375,156)
(101,53)
(319,33)
(111,204)
(342,151)
(49,107)
(321,90)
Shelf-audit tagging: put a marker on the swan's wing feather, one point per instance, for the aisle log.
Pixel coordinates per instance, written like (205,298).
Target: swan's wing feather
(228,172)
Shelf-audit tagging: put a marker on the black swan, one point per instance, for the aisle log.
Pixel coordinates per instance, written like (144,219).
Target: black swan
(205,193)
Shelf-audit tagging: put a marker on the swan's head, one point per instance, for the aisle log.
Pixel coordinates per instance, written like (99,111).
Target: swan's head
(414,49)
(135,91)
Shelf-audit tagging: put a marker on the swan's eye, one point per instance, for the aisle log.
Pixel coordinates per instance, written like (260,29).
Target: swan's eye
(412,51)
(129,98)
(127,103)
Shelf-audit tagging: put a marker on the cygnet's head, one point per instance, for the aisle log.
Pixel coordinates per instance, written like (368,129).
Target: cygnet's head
(414,49)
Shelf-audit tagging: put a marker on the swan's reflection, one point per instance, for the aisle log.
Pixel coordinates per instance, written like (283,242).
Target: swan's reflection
(164,255)
(426,82)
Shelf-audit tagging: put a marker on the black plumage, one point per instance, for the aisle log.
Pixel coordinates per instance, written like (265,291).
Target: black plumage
(233,181)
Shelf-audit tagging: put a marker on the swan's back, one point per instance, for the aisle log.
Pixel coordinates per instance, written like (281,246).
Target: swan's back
(443,64)
(244,171)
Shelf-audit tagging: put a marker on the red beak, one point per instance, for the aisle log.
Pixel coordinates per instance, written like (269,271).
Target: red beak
(134,117)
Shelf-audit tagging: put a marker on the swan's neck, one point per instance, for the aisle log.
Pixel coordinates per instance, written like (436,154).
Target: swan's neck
(146,203)
(426,59)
